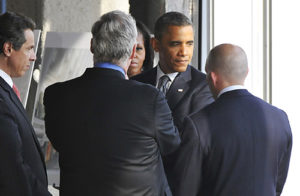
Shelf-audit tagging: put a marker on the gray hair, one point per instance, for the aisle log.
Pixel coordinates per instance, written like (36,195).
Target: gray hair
(114,36)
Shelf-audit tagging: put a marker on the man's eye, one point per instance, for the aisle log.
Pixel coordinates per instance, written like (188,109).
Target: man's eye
(191,43)
(174,44)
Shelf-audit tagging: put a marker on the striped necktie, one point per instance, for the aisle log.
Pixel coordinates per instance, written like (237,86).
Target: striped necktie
(164,84)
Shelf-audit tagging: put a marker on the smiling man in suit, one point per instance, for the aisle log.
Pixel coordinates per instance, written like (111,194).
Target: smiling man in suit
(185,87)
(22,167)
(238,145)
(110,132)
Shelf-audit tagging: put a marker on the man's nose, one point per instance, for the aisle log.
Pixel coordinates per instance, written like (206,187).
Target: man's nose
(183,50)
(32,56)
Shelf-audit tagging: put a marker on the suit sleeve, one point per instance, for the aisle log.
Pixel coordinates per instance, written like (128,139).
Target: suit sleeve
(202,98)
(166,134)
(187,175)
(284,161)
(52,124)
(14,173)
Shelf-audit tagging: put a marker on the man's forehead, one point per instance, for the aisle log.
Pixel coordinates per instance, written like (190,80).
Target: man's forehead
(29,36)
(177,28)
(172,31)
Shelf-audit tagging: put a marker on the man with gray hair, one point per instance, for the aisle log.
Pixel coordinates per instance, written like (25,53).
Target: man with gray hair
(110,132)
(238,145)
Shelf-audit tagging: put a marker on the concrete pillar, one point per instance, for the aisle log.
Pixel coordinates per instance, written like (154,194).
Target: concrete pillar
(31,8)
(77,15)
(66,15)
(70,15)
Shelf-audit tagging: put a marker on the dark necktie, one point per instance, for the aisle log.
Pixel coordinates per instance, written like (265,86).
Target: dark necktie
(163,84)
(16,90)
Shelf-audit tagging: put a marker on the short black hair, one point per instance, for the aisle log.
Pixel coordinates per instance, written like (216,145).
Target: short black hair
(12,27)
(148,62)
(170,19)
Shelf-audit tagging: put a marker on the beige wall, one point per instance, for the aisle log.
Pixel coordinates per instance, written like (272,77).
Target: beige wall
(70,15)
(66,15)
(108,5)
(77,15)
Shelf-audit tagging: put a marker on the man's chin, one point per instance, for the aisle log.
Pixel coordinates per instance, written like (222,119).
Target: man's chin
(17,75)
(181,68)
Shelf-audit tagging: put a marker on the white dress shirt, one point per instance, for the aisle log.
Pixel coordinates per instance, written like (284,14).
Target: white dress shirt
(230,88)
(6,78)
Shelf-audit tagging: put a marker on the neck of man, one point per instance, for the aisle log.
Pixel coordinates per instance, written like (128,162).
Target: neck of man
(3,64)
(164,69)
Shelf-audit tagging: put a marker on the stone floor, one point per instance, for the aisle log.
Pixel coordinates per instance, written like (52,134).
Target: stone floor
(53,178)
(53,191)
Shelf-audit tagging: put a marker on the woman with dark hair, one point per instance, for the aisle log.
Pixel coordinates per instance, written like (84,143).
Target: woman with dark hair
(143,59)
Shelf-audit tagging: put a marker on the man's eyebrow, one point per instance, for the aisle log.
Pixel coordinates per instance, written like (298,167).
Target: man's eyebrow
(175,42)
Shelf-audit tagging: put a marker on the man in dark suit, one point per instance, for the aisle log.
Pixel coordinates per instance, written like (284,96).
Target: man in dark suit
(110,132)
(238,145)
(186,88)
(22,167)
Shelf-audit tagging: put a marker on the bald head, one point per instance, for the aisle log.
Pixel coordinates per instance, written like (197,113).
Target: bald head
(229,62)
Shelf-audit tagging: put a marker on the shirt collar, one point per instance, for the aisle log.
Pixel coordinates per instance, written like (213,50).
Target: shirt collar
(110,66)
(230,88)
(160,73)
(6,78)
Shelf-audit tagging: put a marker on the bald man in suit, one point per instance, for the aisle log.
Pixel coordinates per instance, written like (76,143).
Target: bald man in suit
(238,145)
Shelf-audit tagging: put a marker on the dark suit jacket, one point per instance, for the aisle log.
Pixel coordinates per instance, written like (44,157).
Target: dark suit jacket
(22,168)
(110,134)
(238,146)
(194,96)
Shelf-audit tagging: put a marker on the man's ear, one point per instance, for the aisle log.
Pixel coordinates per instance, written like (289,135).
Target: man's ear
(155,44)
(133,52)
(7,48)
(214,78)
(91,47)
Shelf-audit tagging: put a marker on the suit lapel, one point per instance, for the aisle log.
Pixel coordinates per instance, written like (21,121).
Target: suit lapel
(179,88)
(12,95)
(14,98)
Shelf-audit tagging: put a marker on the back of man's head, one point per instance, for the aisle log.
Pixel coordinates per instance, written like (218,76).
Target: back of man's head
(229,62)
(170,19)
(114,36)
(12,27)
